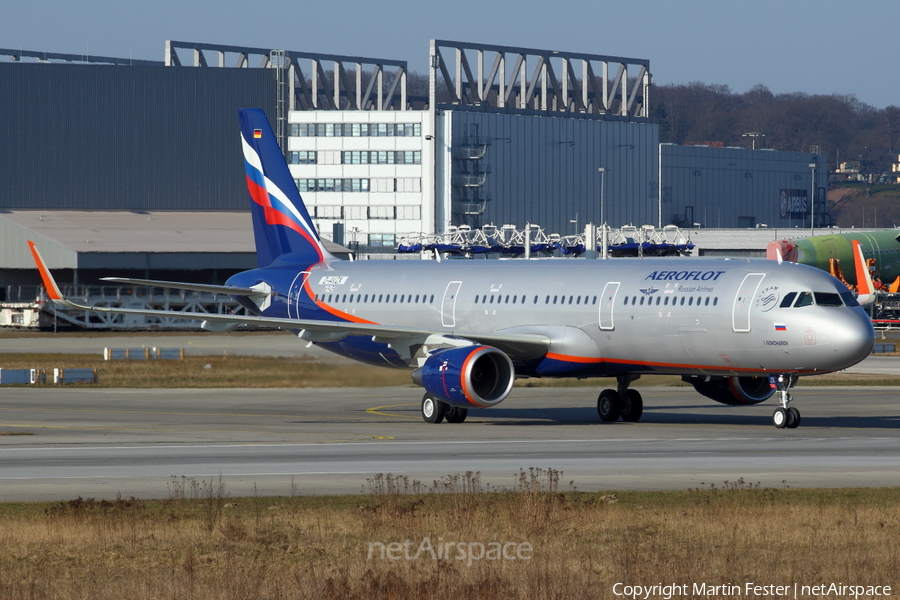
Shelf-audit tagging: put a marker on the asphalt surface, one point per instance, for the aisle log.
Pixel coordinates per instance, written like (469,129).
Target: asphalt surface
(100,443)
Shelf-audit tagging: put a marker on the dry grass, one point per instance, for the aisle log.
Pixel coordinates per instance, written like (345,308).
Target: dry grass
(196,545)
(213,371)
(268,372)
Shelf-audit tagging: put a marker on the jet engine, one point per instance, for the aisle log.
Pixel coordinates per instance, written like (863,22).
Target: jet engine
(732,390)
(473,376)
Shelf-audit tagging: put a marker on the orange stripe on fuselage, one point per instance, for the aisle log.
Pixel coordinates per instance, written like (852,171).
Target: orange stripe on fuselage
(334,311)
(642,363)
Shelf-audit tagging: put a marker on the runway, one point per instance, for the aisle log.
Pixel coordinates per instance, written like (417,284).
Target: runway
(99,443)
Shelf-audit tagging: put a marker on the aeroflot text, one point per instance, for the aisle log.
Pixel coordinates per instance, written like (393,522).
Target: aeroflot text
(684,275)
(667,592)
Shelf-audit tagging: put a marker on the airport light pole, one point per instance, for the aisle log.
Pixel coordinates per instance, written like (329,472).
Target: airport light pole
(812,201)
(603,240)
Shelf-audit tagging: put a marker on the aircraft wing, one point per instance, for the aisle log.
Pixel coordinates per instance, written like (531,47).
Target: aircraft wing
(406,340)
(192,287)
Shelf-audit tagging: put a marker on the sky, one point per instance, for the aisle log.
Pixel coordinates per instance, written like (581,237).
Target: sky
(814,47)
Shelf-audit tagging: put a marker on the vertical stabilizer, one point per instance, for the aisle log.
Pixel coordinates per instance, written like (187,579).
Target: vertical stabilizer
(281,224)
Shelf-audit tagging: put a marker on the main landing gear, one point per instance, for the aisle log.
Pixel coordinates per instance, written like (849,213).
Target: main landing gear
(621,402)
(784,416)
(435,411)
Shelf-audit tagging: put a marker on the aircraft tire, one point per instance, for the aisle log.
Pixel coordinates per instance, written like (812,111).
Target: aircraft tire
(632,406)
(780,418)
(609,406)
(454,414)
(793,418)
(433,410)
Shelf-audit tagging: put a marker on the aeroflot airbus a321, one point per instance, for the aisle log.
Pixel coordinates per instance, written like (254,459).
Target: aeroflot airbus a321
(738,330)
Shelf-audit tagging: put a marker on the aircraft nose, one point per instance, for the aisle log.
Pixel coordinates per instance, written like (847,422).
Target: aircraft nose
(853,337)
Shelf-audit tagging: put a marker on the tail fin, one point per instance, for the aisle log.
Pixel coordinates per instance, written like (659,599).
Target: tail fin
(281,223)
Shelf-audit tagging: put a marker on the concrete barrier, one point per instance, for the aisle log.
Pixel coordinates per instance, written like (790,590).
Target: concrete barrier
(143,353)
(74,375)
(126,353)
(21,376)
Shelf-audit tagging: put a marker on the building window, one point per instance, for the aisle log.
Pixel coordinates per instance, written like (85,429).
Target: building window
(409,213)
(381,212)
(329,212)
(381,240)
(355,130)
(302,157)
(332,185)
(380,157)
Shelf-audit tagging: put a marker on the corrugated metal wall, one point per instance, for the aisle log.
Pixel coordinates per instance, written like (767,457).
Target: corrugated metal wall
(736,187)
(113,137)
(544,169)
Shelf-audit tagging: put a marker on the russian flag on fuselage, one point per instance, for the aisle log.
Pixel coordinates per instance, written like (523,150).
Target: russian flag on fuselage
(281,223)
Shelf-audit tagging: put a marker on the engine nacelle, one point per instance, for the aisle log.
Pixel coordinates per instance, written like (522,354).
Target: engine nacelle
(473,376)
(732,390)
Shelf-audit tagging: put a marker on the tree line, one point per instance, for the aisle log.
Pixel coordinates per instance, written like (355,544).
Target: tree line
(839,125)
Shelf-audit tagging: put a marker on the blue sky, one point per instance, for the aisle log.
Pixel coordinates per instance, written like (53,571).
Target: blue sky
(816,47)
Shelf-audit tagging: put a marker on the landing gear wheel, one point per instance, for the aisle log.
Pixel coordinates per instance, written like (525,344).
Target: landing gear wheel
(609,405)
(780,418)
(793,418)
(455,414)
(432,409)
(632,406)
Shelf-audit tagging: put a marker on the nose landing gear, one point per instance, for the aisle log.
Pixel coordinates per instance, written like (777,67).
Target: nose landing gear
(785,417)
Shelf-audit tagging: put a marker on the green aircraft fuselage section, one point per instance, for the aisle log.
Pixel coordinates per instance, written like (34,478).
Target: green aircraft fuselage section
(816,251)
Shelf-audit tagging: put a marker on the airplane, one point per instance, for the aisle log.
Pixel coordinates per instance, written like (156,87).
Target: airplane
(818,251)
(739,331)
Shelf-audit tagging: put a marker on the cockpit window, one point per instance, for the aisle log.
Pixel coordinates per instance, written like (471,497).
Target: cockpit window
(805,299)
(788,299)
(828,299)
(849,299)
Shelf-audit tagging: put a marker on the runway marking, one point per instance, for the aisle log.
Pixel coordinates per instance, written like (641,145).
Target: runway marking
(375,410)
(187,414)
(616,441)
(194,430)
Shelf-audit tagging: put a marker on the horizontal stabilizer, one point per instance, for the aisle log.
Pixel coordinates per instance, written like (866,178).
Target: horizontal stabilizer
(192,287)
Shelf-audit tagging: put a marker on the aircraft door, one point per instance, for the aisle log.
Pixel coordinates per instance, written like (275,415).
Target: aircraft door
(448,305)
(607,304)
(294,294)
(743,302)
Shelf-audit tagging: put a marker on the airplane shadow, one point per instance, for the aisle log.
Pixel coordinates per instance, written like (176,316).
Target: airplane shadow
(665,415)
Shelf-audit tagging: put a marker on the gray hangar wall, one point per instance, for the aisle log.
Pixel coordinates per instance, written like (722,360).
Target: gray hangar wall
(543,170)
(130,138)
(737,187)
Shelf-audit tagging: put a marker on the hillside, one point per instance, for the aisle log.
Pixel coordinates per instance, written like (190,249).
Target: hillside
(850,207)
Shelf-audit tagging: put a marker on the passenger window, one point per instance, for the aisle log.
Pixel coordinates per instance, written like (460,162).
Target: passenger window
(805,299)
(595,300)
(507,300)
(380,297)
(547,301)
(828,299)
(642,300)
(706,302)
(682,301)
(432,299)
(625,302)
(395,297)
(492,300)
(476,299)
(788,299)
(715,300)
(535,299)
(417,298)
(691,301)
(554,299)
